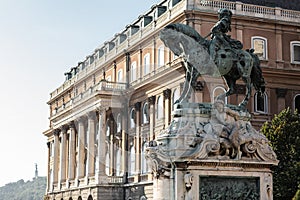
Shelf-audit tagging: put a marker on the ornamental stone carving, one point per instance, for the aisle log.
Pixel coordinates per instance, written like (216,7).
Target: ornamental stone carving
(211,132)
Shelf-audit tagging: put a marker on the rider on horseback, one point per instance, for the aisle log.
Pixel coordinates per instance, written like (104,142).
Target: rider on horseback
(220,40)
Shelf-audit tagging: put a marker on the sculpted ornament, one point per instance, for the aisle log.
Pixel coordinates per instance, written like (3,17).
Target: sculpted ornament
(210,132)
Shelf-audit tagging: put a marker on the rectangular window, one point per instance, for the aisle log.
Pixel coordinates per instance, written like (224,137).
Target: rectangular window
(295,52)
(161,56)
(147,64)
(133,72)
(259,44)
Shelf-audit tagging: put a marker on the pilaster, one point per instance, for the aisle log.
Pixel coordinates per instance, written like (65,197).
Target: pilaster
(63,151)
(101,146)
(81,148)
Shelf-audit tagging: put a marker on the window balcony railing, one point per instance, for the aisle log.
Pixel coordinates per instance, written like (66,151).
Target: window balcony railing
(115,179)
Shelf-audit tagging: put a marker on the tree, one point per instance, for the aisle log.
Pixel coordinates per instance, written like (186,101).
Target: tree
(283,133)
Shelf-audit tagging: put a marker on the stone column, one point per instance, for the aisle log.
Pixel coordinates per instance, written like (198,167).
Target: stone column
(111,146)
(151,101)
(72,151)
(48,167)
(138,140)
(124,161)
(101,145)
(167,106)
(81,148)
(91,144)
(55,156)
(63,153)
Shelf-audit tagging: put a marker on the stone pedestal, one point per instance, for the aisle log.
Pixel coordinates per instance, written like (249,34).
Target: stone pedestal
(211,152)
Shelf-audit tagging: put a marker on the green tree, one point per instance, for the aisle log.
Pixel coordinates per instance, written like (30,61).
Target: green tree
(283,133)
(297,195)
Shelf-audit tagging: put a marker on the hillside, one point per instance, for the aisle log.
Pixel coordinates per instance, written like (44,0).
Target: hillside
(21,190)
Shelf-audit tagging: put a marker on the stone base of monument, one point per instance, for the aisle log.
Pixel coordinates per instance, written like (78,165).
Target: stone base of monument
(211,152)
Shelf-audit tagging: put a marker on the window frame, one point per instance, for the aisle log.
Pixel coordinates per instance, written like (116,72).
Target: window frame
(224,90)
(133,73)
(265,48)
(161,56)
(265,98)
(120,75)
(147,64)
(292,52)
(145,116)
(159,108)
(294,102)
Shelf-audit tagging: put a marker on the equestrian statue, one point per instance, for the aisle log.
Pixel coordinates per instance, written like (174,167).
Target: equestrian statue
(220,56)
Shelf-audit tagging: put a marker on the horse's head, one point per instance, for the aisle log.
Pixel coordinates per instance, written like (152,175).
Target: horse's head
(171,39)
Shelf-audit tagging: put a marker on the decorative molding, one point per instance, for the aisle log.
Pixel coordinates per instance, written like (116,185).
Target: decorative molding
(167,93)
(151,100)
(137,106)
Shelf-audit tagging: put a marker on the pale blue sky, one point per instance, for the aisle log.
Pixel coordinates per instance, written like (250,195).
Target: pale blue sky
(39,41)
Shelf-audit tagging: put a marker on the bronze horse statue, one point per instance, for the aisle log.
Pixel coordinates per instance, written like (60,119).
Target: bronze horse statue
(231,64)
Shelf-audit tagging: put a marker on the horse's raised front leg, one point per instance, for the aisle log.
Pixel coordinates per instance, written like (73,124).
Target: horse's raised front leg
(187,83)
(244,103)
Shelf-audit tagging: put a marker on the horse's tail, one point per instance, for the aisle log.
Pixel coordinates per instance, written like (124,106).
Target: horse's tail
(257,79)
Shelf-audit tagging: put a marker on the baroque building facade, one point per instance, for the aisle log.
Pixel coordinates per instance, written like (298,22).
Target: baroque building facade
(122,95)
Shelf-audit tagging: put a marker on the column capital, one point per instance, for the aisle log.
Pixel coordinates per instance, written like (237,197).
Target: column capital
(64,128)
(71,124)
(91,115)
(167,93)
(81,119)
(137,106)
(151,100)
(56,132)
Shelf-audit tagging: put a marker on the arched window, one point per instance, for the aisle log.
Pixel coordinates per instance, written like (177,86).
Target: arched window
(79,198)
(218,91)
(90,197)
(133,71)
(161,56)
(147,64)
(107,128)
(107,162)
(175,97)
(145,113)
(144,167)
(159,108)
(295,52)
(132,160)
(118,161)
(260,46)
(297,103)
(120,76)
(108,78)
(119,123)
(132,118)
(261,103)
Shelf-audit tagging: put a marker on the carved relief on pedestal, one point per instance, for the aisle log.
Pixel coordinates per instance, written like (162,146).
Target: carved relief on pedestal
(208,132)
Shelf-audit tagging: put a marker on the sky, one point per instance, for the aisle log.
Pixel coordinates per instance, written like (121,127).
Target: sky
(40,40)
